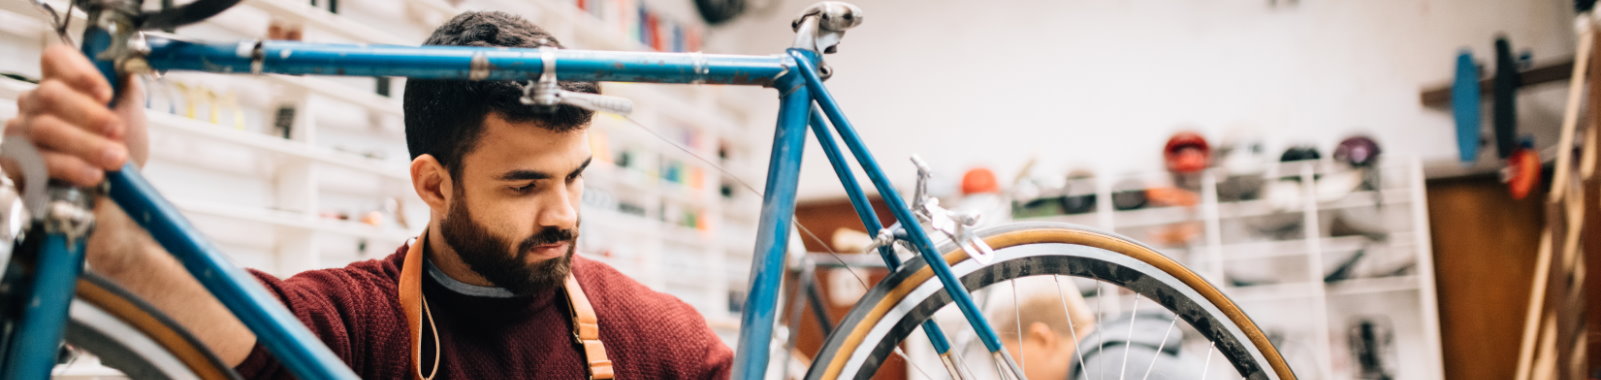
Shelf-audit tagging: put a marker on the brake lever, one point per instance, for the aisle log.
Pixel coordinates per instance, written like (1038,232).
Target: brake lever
(958,226)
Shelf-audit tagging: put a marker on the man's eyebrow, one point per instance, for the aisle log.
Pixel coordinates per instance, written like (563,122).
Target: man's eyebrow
(581,167)
(530,175)
(524,175)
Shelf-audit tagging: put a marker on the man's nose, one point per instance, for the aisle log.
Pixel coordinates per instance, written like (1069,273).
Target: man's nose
(560,211)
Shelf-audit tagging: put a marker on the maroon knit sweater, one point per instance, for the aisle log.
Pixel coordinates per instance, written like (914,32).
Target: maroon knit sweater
(354,310)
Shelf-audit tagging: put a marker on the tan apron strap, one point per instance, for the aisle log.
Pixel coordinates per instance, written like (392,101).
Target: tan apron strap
(411,301)
(586,327)
(586,331)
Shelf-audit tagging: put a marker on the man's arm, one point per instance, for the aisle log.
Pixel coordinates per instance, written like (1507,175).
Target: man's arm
(120,250)
(79,138)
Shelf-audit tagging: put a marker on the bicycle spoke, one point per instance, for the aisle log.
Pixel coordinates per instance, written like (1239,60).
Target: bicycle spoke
(1207,369)
(1133,315)
(1069,314)
(911,363)
(1100,316)
(963,371)
(1159,348)
(1017,317)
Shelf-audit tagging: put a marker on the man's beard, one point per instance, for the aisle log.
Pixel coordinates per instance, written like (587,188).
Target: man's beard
(502,263)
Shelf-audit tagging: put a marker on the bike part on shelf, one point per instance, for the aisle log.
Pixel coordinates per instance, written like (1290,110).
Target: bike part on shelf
(1038,207)
(1242,187)
(1172,196)
(1504,99)
(1357,151)
(1300,153)
(1465,107)
(1348,222)
(1035,195)
(1522,174)
(1241,151)
(1132,199)
(1078,195)
(891,310)
(1337,184)
(1371,342)
(1186,152)
(1344,270)
(1243,158)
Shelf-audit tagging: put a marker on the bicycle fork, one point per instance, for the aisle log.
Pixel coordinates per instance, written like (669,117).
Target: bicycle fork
(58,260)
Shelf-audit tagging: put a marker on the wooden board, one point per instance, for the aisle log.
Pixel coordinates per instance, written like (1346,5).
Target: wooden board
(1484,247)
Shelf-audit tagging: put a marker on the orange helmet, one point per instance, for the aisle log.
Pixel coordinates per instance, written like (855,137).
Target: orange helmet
(979,180)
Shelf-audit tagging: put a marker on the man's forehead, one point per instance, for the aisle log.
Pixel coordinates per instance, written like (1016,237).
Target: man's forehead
(527,145)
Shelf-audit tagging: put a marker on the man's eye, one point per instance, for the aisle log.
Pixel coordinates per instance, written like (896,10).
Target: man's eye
(524,189)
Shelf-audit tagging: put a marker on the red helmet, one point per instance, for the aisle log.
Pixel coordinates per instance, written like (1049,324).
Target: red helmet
(1186,152)
(979,180)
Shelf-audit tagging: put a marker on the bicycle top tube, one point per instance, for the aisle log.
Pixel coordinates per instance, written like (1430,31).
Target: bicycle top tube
(461,62)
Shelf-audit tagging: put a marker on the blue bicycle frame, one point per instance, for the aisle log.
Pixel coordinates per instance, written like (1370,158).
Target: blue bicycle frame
(794,75)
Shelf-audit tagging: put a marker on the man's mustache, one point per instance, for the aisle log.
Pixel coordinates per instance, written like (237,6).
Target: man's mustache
(547,236)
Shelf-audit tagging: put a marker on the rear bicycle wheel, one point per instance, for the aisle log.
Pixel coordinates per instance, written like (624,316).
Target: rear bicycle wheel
(135,338)
(901,302)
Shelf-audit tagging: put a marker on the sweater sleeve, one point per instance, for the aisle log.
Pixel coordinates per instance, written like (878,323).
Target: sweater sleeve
(335,304)
(719,359)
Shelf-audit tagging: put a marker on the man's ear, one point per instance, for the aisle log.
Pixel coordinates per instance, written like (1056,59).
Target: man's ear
(1041,334)
(432,182)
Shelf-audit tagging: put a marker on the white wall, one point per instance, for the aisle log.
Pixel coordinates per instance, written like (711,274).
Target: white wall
(1103,83)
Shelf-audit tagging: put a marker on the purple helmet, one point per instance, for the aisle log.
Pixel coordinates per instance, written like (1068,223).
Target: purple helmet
(1358,151)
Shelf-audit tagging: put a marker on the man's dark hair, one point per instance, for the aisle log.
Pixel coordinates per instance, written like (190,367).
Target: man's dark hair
(444,118)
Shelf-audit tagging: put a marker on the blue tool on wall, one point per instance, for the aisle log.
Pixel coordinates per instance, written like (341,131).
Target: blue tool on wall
(1504,96)
(1465,106)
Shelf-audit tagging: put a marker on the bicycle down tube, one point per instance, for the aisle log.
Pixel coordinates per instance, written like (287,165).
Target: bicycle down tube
(794,75)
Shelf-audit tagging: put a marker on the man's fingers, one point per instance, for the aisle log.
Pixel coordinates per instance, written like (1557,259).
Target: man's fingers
(54,97)
(13,126)
(72,169)
(53,134)
(64,63)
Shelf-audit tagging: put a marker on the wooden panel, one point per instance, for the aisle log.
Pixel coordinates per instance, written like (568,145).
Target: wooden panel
(823,218)
(1592,265)
(1484,251)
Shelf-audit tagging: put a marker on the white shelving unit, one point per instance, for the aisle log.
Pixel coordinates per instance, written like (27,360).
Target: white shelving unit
(262,194)
(1280,278)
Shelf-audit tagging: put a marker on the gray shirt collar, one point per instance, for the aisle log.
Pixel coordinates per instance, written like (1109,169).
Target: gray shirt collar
(462,287)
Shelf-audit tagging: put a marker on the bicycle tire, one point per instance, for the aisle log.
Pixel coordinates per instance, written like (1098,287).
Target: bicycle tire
(897,305)
(133,337)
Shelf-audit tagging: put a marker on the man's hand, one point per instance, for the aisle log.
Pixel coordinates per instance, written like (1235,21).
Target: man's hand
(67,117)
(80,138)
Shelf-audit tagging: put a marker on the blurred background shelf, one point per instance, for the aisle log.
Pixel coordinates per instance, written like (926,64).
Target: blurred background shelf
(1293,266)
